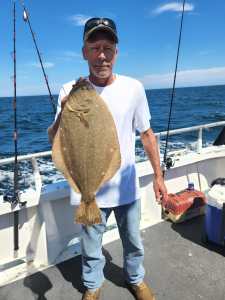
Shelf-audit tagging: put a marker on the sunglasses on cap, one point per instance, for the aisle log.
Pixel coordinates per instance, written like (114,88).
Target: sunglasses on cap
(94,24)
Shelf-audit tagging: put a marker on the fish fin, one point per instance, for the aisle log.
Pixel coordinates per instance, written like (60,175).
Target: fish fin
(88,213)
(58,160)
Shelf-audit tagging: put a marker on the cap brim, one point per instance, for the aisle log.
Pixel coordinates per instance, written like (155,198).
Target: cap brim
(101,27)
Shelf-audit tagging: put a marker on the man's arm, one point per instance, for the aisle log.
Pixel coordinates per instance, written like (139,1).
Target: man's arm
(151,148)
(55,125)
(53,129)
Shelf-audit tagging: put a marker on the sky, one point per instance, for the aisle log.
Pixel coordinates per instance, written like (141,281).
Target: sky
(148,37)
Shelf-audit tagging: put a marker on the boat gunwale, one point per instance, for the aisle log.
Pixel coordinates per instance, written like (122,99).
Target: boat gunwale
(9,160)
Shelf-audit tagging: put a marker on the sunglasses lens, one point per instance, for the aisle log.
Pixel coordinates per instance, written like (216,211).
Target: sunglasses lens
(91,23)
(96,21)
(110,23)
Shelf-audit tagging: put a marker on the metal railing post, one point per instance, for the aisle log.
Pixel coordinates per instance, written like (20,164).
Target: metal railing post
(199,142)
(37,176)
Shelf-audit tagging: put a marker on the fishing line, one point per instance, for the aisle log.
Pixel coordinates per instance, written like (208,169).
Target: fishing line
(167,161)
(26,19)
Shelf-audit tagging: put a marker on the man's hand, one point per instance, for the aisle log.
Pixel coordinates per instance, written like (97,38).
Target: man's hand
(150,145)
(160,189)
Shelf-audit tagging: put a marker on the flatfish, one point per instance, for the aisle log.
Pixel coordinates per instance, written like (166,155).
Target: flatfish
(86,148)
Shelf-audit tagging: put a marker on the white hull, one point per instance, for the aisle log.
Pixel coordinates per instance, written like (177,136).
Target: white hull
(47,233)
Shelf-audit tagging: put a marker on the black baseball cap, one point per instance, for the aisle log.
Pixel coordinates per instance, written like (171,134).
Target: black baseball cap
(104,24)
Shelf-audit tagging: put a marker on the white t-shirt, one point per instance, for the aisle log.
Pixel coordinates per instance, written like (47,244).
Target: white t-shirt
(127,102)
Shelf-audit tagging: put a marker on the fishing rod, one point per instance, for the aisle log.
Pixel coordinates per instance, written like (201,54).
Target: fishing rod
(26,19)
(15,137)
(167,161)
(13,197)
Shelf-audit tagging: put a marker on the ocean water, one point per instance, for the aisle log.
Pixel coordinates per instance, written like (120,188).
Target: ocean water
(191,106)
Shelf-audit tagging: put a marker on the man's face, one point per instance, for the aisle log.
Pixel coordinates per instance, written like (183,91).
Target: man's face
(100,53)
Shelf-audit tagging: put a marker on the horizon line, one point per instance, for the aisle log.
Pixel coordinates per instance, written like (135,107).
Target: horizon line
(146,89)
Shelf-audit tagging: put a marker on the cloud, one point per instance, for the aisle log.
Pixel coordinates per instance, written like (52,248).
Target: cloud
(47,65)
(195,77)
(28,88)
(173,6)
(38,89)
(79,19)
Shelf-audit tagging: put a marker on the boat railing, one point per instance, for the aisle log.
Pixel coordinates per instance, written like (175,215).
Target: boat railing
(33,156)
(198,128)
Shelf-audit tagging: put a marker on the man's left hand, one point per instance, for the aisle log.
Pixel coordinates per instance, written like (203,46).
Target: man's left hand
(160,189)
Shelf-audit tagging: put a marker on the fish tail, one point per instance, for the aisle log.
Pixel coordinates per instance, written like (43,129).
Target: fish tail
(88,213)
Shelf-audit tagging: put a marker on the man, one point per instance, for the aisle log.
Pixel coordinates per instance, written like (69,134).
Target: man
(126,99)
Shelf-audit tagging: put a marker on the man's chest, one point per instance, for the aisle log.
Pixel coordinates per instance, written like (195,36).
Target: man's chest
(120,104)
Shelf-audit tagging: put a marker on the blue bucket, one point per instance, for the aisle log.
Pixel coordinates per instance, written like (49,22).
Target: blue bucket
(214,225)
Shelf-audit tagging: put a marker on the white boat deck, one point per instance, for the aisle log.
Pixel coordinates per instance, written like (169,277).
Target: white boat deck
(178,266)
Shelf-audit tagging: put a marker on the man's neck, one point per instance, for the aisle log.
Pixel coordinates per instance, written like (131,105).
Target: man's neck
(101,81)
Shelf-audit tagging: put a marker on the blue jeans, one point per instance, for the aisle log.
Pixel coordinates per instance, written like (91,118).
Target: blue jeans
(93,260)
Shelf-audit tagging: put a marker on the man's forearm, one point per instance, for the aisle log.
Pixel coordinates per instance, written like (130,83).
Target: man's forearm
(53,129)
(151,148)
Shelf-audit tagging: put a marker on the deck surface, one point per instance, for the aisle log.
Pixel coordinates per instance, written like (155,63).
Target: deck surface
(178,266)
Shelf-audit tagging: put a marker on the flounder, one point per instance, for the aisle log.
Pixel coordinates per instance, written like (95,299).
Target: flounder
(86,148)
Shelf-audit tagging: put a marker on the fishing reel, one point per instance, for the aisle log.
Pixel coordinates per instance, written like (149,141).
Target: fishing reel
(12,199)
(168,163)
